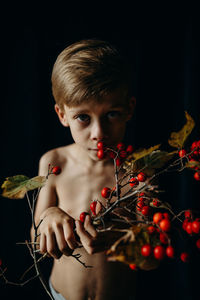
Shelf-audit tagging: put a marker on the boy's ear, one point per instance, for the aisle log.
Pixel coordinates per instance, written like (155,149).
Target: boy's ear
(131,107)
(61,115)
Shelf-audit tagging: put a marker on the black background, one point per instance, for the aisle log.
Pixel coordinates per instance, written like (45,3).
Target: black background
(162,44)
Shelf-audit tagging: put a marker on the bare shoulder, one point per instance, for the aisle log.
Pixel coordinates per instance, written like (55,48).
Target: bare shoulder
(55,157)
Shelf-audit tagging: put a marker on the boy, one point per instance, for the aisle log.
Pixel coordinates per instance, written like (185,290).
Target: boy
(91,87)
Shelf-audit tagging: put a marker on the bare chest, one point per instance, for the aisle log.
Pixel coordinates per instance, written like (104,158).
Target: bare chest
(75,193)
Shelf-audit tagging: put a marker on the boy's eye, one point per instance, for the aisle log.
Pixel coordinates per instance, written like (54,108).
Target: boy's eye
(83,118)
(113,114)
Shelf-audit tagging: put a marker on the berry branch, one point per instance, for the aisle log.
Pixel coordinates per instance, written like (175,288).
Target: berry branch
(133,206)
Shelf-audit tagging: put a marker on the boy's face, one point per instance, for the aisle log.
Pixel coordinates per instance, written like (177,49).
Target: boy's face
(94,121)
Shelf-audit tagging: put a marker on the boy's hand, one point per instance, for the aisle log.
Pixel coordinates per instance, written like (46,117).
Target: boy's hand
(57,233)
(92,240)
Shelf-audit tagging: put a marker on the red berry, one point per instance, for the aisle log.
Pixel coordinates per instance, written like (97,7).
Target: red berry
(118,161)
(139,205)
(166,215)
(196,226)
(56,170)
(189,228)
(141,194)
(198,243)
(165,225)
(120,146)
(93,207)
(140,199)
(197,176)
(184,256)
(0,262)
(146,210)
(129,149)
(132,266)
(100,145)
(105,192)
(188,214)
(146,250)
(112,154)
(159,252)
(151,229)
(141,177)
(157,217)
(122,154)
(194,145)
(182,153)
(163,238)
(185,222)
(133,182)
(170,251)
(82,216)
(156,202)
(100,154)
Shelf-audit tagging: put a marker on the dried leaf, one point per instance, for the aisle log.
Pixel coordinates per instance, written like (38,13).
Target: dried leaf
(178,139)
(151,161)
(15,187)
(193,164)
(141,153)
(134,163)
(129,251)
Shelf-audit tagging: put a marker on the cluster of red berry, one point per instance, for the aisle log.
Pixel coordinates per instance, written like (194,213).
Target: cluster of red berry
(191,225)
(160,246)
(194,157)
(119,154)
(159,223)
(162,225)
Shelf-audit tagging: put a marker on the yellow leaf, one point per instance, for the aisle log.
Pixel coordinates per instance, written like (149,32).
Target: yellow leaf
(133,161)
(15,187)
(178,139)
(142,152)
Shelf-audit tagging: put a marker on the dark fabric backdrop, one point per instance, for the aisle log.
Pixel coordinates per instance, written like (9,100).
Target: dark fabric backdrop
(163,48)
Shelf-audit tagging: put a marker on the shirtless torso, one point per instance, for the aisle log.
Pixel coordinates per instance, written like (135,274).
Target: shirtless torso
(72,191)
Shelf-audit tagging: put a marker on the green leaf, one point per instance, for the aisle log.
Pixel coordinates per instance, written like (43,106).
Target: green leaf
(15,187)
(178,139)
(151,161)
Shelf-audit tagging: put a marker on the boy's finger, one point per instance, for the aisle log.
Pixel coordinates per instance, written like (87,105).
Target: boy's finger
(89,227)
(85,237)
(61,242)
(52,248)
(69,236)
(43,248)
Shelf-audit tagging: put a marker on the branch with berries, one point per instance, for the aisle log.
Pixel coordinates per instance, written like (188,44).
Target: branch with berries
(149,224)
(133,206)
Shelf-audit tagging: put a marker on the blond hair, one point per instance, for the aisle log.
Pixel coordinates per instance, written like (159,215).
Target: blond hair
(88,69)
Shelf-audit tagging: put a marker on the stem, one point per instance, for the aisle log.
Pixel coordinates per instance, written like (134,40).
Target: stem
(143,187)
(37,267)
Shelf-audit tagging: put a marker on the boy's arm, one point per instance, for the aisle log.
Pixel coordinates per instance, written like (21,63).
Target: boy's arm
(56,229)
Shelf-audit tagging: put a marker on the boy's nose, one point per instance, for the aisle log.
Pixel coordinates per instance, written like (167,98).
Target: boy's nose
(98,132)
